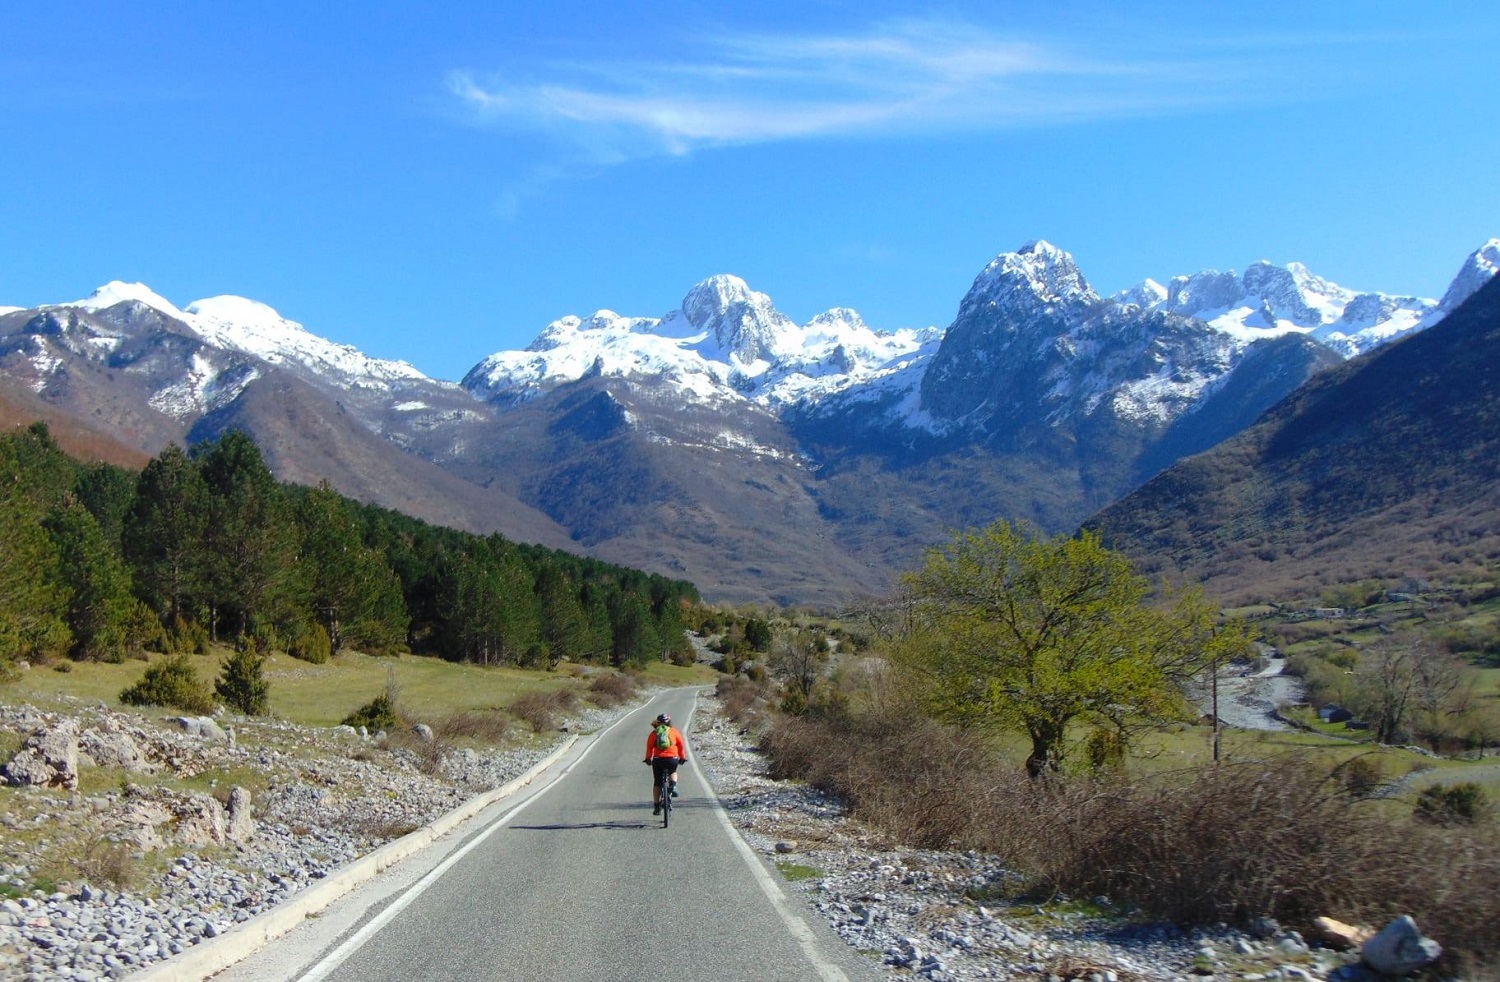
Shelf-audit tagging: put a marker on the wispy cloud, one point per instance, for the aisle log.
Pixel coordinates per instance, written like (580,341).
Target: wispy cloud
(898,79)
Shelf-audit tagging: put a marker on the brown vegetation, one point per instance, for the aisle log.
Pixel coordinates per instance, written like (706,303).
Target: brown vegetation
(1283,838)
(611,689)
(541,710)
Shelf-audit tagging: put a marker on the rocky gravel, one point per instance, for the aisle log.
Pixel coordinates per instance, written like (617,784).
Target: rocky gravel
(331,796)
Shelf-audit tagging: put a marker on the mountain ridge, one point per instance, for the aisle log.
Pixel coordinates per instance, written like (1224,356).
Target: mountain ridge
(722,441)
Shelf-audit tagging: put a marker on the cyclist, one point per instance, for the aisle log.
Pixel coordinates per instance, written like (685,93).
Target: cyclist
(665,751)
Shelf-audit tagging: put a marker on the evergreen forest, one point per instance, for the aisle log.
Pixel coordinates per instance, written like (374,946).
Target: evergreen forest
(98,562)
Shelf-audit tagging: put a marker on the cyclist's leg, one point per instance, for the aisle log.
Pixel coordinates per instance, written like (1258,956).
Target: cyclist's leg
(673,772)
(657,766)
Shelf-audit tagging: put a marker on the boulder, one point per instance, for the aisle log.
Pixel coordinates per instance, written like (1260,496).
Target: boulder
(110,747)
(241,825)
(153,818)
(197,820)
(48,758)
(1340,936)
(423,732)
(200,726)
(1400,948)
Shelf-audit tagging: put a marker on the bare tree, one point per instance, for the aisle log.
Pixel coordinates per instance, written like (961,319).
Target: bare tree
(798,658)
(1386,689)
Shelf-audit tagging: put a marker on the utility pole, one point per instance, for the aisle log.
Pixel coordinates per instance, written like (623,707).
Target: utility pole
(1215,689)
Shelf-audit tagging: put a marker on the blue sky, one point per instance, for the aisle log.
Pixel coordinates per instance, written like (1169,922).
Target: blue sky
(436,185)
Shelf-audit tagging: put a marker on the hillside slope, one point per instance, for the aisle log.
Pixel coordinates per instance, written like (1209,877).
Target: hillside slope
(1387,467)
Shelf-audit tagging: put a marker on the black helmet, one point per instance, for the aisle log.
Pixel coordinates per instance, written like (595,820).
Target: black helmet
(664,718)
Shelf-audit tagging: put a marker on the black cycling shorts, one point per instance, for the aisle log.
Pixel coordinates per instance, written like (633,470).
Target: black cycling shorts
(660,764)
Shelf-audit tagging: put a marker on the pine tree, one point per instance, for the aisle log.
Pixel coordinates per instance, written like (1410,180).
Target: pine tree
(252,574)
(100,607)
(164,535)
(242,684)
(354,593)
(33,599)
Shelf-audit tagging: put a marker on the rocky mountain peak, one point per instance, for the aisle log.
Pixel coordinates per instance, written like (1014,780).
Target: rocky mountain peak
(1036,279)
(741,321)
(1146,294)
(1290,293)
(1482,266)
(836,318)
(1207,290)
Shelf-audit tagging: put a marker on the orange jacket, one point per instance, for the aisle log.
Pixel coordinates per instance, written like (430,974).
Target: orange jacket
(678,749)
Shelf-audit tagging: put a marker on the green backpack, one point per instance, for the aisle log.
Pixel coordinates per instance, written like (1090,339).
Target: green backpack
(663,737)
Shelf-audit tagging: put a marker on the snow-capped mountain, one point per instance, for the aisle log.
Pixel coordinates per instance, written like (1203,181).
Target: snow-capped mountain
(1268,301)
(722,441)
(1482,266)
(235,324)
(725,344)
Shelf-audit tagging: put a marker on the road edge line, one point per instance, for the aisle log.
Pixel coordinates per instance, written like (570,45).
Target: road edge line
(806,939)
(208,958)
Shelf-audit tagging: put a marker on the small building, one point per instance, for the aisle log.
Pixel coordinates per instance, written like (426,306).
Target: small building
(1334,713)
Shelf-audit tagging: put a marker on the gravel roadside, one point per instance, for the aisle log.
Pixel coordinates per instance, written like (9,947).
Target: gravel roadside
(332,797)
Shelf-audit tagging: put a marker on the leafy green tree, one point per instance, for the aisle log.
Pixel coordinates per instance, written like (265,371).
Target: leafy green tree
(1018,631)
(242,684)
(164,535)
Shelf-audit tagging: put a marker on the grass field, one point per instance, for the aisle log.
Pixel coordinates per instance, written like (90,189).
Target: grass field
(323,695)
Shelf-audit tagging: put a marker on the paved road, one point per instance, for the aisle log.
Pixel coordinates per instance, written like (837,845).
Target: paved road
(578,882)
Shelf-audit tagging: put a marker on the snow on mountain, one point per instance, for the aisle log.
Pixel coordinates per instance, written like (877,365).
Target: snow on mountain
(1269,300)
(1482,266)
(726,343)
(236,324)
(1036,280)
(254,328)
(118,292)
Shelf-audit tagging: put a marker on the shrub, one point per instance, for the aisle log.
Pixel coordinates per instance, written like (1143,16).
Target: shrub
(310,643)
(1279,838)
(1453,804)
(171,682)
(376,715)
(242,684)
(611,689)
(540,710)
(1361,776)
(742,698)
(186,636)
(482,727)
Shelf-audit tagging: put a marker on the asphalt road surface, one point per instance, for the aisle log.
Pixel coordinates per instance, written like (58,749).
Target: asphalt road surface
(577,881)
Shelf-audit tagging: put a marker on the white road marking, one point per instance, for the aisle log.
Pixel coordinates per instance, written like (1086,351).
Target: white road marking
(343,952)
(827,971)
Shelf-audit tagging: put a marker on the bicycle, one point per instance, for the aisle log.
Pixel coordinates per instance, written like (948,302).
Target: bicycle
(664,789)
